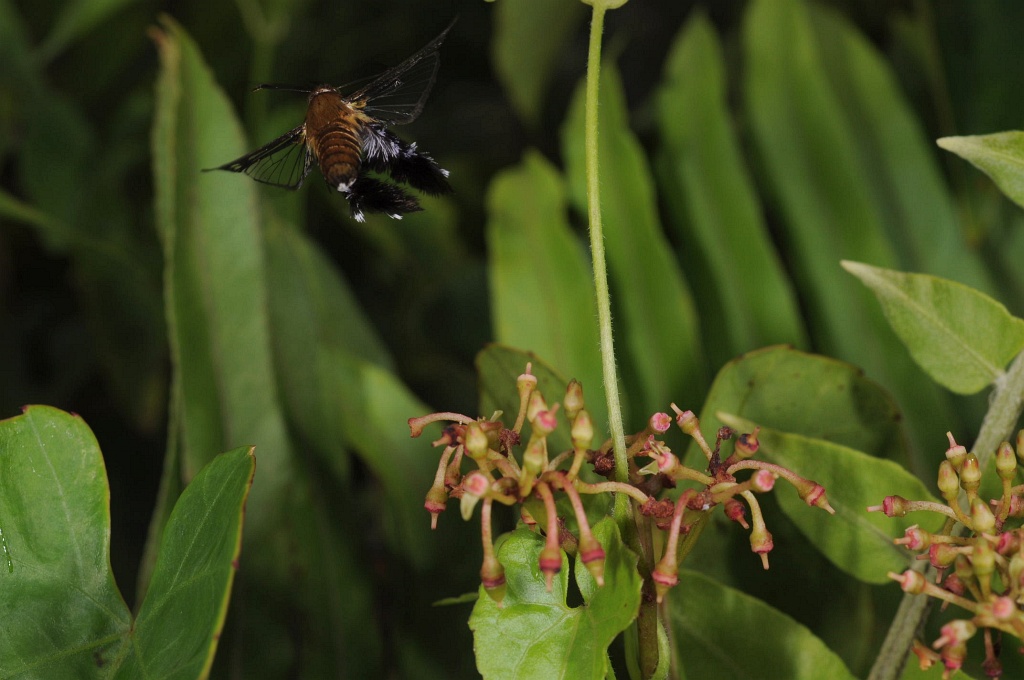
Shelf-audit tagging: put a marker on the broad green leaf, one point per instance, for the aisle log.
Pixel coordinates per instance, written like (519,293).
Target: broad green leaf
(541,286)
(858,542)
(60,610)
(535,634)
(657,322)
(176,632)
(215,285)
(961,337)
(529,39)
(901,169)
(724,634)
(815,396)
(1000,156)
(745,299)
(61,615)
(313,313)
(826,207)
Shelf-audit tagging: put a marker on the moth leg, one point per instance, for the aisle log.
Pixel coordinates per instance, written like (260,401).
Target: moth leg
(368,195)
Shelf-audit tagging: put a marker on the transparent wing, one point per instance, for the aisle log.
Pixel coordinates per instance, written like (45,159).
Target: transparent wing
(397,95)
(284,162)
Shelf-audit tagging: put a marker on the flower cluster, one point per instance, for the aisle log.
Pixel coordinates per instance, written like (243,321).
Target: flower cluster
(502,476)
(979,558)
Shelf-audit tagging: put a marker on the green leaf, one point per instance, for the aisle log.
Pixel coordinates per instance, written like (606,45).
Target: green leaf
(902,170)
(176,632)
(657,319)
(535,634)
(961,337)
(55,519)
(855,540)
(1000,156)
(746,301)
(827,211)
(540,280)
(815,396)
(60,610)
(215,285)
(529,40)
(724,634)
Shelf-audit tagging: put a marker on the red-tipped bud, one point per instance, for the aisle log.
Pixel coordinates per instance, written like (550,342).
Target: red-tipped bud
(492,576)
(736,511)
(573,401)
(982,519)
(983,560)
(582,430)
(948,482)
(1006,462)
(747,445)
(763,481)
(956,632)
(956,453)
(813,494)
(687,421)
(544,422)
(435,503)
(915,538)
(660,422)
(910,581)
(1008,543)
(1004,608)
(941,555)
(761,542)
(550,563)
(526,382)
(892,506)
(970,474)
(537,404)
(592,555)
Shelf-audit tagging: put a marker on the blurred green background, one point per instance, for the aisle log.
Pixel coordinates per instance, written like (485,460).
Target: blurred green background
(830,137)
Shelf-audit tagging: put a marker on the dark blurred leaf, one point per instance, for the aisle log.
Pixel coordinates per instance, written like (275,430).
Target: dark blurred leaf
(215,280)
(745,299)
(899,163)
(541,284)
(961,337)
(710,622)
(529,39)
(536,634)
(827,210)
(660,350)
(77,18)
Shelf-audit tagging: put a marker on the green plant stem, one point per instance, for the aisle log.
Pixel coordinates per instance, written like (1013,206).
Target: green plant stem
(604,306)
(647,626)
(1004,410)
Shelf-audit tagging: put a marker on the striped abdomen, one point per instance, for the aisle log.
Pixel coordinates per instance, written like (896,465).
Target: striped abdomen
(333,132)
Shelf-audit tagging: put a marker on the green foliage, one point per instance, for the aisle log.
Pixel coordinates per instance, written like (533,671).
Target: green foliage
(58,586)
(536,633)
